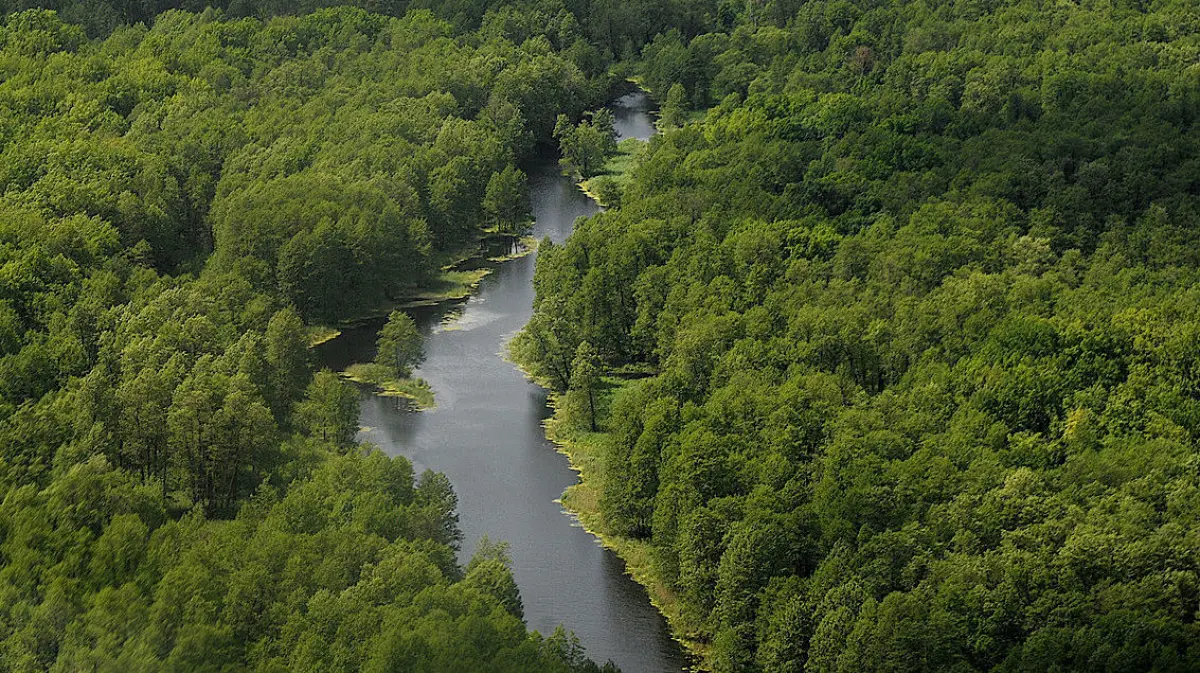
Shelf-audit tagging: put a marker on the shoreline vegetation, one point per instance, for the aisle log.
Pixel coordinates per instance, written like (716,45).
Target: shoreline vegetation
(585,450)
(452,283)
(585,454)
(606,187)
(319,334)
(386,384)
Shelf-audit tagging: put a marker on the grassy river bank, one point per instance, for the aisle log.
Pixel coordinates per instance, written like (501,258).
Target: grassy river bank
(586,452)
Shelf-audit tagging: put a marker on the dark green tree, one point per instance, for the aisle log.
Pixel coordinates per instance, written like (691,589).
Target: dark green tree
(506,200)
(585,384)
(287,358)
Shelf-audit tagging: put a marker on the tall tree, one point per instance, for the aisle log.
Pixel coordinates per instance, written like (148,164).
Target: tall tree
(506,200)
(585,382)
(287,355)
(399,344)
(330,409)
(674,109)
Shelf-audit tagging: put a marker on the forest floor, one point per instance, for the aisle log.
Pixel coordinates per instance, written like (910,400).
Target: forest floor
(585,450)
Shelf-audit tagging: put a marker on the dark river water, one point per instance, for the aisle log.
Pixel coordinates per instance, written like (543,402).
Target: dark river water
(486,435)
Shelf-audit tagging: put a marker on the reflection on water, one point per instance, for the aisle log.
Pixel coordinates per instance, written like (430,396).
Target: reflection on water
(633,117)
(486,435)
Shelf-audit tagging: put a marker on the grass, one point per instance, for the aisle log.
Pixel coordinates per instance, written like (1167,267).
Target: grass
(319,334)
(586,450)
(618,169)
(447,286)
(526,245)
(417,391)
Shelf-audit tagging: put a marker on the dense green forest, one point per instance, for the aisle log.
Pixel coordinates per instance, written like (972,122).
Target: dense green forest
(617,27)
(918,299)
(177,200)
(902,303)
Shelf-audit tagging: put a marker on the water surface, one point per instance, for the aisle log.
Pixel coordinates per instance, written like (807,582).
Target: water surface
(486,435)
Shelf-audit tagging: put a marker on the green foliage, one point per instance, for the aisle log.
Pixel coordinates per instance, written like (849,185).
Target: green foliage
(674,108)
(336,572)
(917,296)
(918,308)
(399,344)
(333,159)
(488,571)
(329,410)
(587,145)
(580,402)
(287,358)
(606,190)
(507,200)
(178,492)
(387,384)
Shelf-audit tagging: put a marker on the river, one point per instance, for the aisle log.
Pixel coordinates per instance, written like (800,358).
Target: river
(486,435)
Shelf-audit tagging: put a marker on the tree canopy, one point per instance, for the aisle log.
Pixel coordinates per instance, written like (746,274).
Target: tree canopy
(399,344)
(918,300)
(178,199)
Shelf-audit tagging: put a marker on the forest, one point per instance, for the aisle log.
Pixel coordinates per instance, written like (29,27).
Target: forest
(181,201)
(901,320)
(889,340)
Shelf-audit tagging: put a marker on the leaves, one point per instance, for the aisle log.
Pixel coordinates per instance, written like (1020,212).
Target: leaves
(919,385)
(399,344)
(177,199)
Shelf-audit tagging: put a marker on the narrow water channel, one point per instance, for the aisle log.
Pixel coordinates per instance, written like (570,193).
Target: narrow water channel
(486,435)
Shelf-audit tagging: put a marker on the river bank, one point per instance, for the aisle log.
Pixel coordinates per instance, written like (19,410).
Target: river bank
(585,451)
(486,436)
(607,186)
(415,390)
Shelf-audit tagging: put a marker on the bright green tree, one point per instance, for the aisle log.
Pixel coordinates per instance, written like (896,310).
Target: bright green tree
(674,109)
(330,409)
(399,344)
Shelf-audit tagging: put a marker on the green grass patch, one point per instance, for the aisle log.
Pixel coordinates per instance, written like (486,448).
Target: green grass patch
(386,384)
(606,187)
(448,285)
(319,334)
